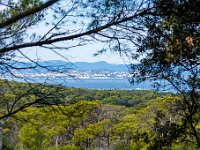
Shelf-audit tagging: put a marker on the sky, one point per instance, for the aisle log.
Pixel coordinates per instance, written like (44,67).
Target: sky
(77,54)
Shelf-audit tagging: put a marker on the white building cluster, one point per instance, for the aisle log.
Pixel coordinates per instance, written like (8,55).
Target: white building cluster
(81,74)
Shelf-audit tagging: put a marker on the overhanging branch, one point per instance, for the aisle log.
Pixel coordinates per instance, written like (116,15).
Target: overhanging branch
(71,37)
(29,12)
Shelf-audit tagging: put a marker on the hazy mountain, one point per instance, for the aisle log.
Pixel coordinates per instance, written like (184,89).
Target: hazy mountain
(99,66)
(65,66)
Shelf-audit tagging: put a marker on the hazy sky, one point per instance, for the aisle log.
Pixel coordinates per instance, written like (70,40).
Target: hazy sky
(78,54)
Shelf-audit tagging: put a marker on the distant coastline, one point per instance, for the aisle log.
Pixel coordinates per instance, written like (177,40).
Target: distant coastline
(79,74)
(99,75)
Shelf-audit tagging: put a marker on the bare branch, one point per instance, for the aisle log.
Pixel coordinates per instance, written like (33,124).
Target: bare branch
(71,37)
(27,13)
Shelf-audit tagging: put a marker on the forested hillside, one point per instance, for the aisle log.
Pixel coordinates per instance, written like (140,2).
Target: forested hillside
(162,36)
(91,119)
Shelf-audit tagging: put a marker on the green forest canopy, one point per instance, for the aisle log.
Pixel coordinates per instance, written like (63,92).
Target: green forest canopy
(164,32)
(92,119)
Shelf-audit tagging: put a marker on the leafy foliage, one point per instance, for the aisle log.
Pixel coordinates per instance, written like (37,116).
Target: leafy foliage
(92,124)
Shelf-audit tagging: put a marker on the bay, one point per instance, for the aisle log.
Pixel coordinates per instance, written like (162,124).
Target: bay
(100,84)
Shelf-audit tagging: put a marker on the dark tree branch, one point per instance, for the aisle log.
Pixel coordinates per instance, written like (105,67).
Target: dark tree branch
(27,13)
(71,37)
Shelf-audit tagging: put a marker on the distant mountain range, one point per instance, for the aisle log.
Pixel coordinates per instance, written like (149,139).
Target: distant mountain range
(62,65)
(99,66)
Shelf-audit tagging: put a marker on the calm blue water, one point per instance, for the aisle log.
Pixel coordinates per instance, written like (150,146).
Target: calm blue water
(114,83)
(105,84)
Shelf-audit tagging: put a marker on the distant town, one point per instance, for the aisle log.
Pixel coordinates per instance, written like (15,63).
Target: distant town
(81,74)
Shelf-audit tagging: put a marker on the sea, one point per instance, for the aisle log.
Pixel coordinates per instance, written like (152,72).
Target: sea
(100,84)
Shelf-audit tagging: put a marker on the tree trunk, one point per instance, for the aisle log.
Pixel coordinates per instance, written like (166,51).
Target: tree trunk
(56,145)
(1,137)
